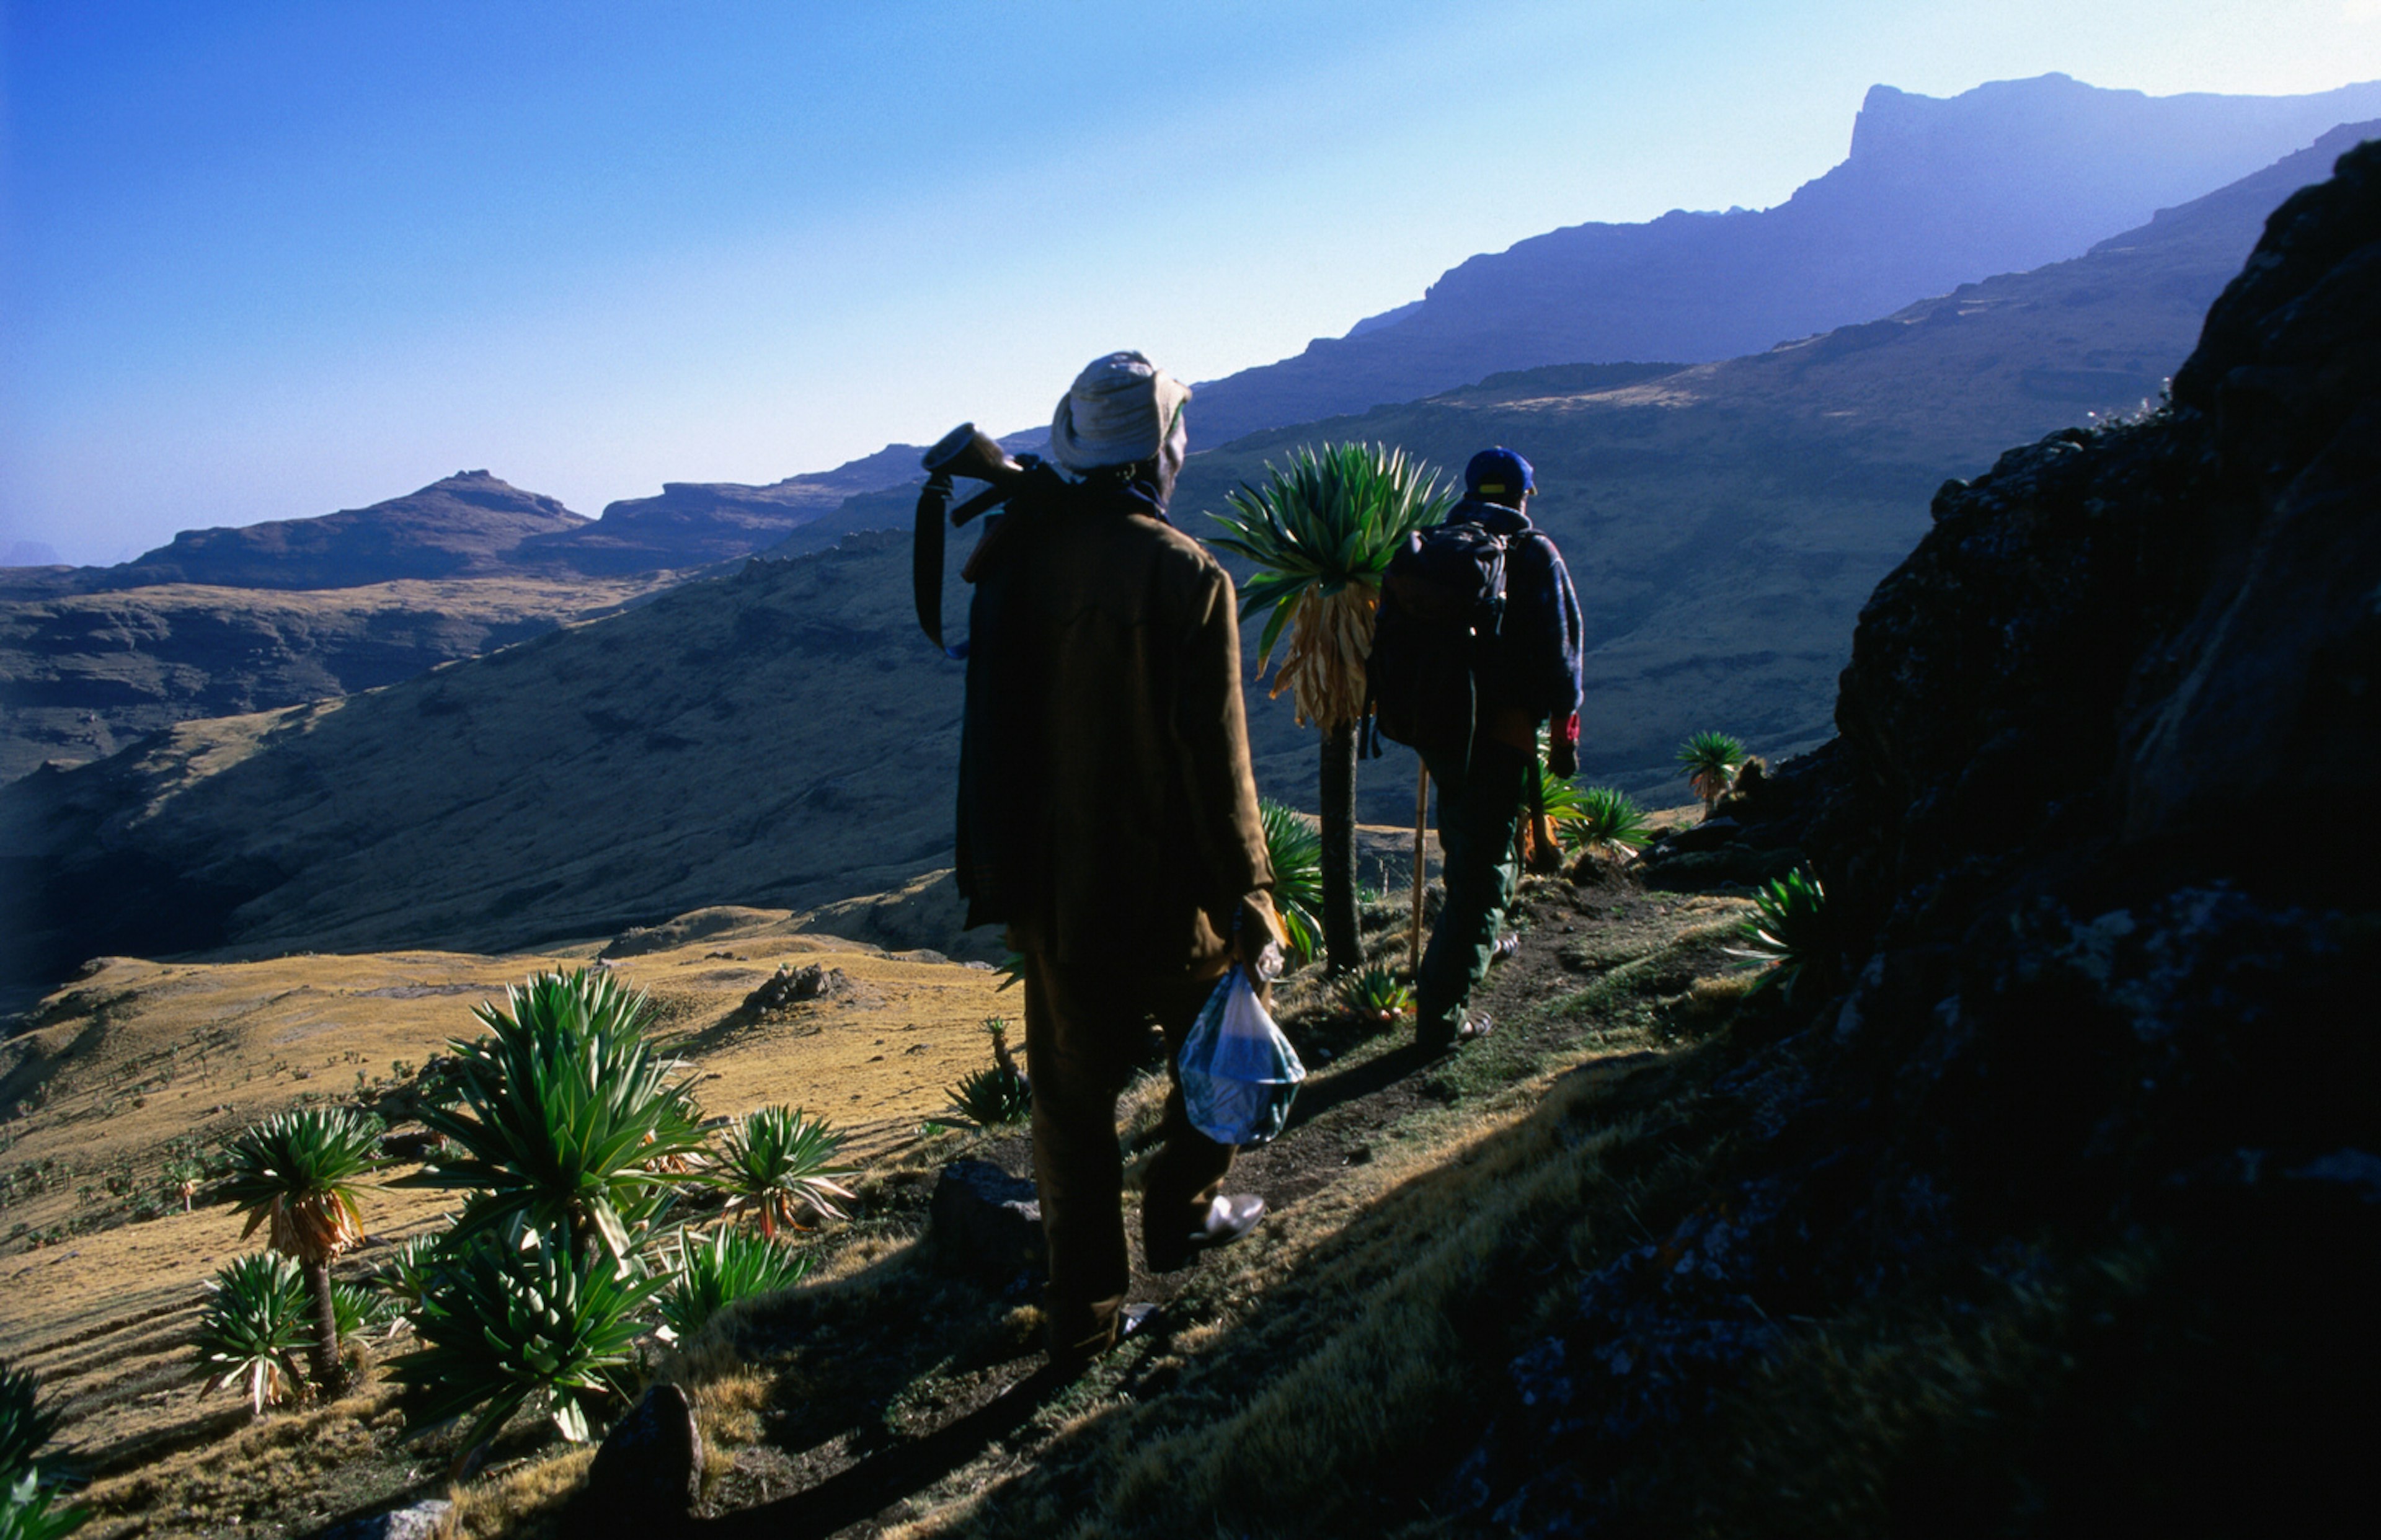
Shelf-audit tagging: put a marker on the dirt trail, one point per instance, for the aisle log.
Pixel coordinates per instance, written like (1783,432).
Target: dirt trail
(909,1389)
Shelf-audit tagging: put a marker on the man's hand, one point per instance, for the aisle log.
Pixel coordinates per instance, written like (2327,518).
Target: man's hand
(1258,929)
(1562,749)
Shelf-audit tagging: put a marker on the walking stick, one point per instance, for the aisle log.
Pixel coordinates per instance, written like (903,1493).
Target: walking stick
(1421,817)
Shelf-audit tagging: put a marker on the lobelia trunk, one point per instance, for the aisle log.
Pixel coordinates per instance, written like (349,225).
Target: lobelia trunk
(325,1354)
(1343,942)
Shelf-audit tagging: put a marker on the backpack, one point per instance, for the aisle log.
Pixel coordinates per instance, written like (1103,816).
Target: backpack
(1442,607)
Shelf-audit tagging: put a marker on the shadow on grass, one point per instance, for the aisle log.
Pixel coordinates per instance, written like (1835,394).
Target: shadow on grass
(894,1472)
(1345,1371)
(1324,1092)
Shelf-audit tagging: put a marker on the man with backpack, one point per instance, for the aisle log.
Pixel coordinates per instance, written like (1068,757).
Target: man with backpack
(1476,649)
(1108,817)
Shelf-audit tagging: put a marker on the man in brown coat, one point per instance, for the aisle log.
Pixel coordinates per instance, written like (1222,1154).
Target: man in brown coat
(1108,817)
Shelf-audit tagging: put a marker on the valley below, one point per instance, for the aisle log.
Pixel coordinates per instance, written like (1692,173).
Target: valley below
(1938,1191)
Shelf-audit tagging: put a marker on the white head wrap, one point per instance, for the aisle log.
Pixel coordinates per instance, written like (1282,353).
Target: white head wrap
(1121,410)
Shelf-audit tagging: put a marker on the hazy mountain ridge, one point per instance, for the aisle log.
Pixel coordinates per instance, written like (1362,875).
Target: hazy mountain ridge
(464,525)
(86,680)
(474,524)
(254,619)
(1725,523)
(695,523)
(1934,194)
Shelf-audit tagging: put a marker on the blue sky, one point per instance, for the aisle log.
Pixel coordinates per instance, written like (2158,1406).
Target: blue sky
(264,261)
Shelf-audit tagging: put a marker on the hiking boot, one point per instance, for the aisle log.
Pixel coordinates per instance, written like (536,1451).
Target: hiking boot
(1229,1218)
(1068,1359)
(1444,1037)
(1508,946)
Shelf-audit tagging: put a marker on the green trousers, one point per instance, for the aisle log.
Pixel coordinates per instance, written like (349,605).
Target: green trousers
(1480,807)
(1085,1030)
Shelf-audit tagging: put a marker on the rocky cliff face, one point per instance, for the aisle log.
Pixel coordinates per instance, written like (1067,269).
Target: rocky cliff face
(2065,1213)
(1933,194)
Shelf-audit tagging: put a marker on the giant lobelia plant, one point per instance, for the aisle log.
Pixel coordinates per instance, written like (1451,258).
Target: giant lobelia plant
(523,1315)
(297,1175)
(777,1162)
(1709,759)
(26,1425)
(252,1325)
(566,1118)
(1322,531)
(1297,853)
(714,1273)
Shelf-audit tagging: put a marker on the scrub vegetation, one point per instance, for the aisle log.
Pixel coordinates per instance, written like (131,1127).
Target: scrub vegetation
(602,1240)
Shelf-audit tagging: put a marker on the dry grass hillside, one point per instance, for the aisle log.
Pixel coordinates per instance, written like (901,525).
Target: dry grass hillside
(138,1064)
(883,1391)
(84,675)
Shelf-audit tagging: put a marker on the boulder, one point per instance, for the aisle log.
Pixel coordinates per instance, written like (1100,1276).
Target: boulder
(420,1521)
(789,985)
(648,1472)
(987,1225)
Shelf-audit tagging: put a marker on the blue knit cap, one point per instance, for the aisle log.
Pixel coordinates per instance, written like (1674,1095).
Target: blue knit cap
(1497,473)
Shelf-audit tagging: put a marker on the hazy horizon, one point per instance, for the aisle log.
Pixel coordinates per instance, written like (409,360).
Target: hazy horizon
(272,261)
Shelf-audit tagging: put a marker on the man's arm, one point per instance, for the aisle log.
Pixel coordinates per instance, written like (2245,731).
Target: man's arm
(1556,655)
(1211,726)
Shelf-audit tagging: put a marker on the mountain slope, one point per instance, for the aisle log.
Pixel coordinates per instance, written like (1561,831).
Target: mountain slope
(1725,523)
(463,526)
(1934,194)
(784,736)
(84,675)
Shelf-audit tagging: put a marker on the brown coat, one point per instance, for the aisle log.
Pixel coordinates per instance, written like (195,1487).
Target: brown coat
(1107,813)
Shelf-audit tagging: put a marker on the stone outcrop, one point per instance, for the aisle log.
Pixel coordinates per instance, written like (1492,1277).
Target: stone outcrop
(790,986)
(421,1521)
(2103,1105)
(987,1225)
(648,1472)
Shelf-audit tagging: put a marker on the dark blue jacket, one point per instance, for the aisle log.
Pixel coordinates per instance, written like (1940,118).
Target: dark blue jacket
(1536,662)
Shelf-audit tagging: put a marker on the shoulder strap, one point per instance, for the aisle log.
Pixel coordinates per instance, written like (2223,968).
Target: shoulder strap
(926,545)
(926,562)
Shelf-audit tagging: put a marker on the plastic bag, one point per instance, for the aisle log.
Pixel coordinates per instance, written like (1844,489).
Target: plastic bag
(1240,1074)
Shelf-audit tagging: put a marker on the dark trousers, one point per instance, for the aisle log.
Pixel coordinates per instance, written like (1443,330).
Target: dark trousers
(1085,1030)
(1479,810)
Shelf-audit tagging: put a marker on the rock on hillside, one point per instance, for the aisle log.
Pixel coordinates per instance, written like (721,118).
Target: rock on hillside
(464,526)
(1934,194)
(2065,1215)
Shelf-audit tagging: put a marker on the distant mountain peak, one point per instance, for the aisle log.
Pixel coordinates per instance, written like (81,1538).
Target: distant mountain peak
(1936,191)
